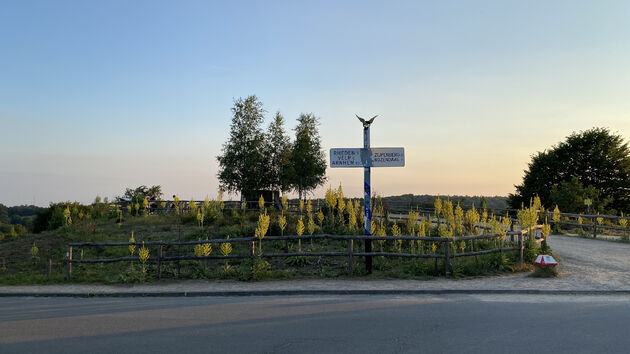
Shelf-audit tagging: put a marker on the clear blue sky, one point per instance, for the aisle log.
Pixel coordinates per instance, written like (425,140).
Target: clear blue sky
(96,96)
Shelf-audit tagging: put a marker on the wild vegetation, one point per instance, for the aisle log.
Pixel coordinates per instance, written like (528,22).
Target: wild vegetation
(17,220)
(41,257)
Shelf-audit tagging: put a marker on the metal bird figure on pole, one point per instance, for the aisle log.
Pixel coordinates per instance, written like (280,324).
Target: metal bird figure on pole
(366,124)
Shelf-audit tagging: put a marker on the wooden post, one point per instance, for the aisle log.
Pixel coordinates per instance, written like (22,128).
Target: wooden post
(69,271)
(253,248)
(158,261)
(350,246)
(520,248)
(49,268)
(594,228)
(447,256)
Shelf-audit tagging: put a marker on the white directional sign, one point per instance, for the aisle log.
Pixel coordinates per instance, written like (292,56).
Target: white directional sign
(374,157)
(350,157)
(387,157)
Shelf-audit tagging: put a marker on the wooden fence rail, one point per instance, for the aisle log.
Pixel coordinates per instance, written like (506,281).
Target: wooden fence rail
(350,253)
(592,225)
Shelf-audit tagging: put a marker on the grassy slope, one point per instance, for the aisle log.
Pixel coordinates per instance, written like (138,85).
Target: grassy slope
(21,268)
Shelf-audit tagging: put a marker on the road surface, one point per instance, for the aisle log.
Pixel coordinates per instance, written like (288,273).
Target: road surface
(317,324)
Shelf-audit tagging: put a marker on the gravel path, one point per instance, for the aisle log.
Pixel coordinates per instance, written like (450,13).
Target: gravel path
(585,265)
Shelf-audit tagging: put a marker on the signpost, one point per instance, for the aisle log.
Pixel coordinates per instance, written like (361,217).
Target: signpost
(367,158)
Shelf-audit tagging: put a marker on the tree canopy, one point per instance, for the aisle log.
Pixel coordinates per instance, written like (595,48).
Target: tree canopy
(308,161)
(244,163)
(592,164)
(253,160)
(279,154)
(138,194)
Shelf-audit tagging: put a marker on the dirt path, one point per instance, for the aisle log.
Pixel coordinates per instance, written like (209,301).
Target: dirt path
(594,263)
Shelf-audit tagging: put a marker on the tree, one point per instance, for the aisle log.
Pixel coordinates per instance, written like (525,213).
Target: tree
(308,161)
(279,154)
(570,195)
(244,163)
(598,159)
(142,192)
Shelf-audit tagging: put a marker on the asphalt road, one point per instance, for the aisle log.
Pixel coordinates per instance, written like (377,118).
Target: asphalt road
(317,324)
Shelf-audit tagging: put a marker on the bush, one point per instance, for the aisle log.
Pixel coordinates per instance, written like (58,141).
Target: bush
(531,250)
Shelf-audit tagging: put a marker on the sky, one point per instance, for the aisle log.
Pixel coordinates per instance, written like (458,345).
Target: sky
(98,96)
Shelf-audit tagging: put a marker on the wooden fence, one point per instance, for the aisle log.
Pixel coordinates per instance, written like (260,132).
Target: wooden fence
(350,253)
(591,221)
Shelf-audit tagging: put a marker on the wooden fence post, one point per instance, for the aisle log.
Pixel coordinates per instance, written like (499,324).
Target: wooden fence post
(520,248)
(49,268)
(69,271)
(594,228)
(350,246)
(447,256)
(158,266)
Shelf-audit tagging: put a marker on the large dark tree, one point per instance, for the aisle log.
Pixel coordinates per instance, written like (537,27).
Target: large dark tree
(308,160)
(590,164)
(279,155)
(244,164)
(138,194)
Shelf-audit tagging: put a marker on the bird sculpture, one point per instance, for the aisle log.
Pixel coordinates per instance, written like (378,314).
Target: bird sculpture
(367,123)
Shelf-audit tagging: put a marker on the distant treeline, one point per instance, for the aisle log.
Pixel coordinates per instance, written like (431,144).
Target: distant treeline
(426,201)
(15,220)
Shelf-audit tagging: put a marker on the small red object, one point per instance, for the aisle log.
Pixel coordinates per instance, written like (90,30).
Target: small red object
(545,261)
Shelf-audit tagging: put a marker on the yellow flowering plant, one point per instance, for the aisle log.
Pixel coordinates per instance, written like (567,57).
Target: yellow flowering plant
(34,251)
(412,222)
(66,215)
(331,199)
(341,202)
(226,249)
(201,215)
(143,254)
(261,228)
(437,207)
(193,207)
(132,248)
(282,223)
(300,231)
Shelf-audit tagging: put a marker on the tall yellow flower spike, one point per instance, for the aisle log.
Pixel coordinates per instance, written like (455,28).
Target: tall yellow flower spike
(34,251)
(285,202)
(300,227)
(341,203)
(226,248)
(311,225)
(132,248)
(282,222)
(320,217)
(143,254)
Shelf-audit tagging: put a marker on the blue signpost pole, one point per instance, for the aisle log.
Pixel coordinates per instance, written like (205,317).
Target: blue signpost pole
(367,201)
